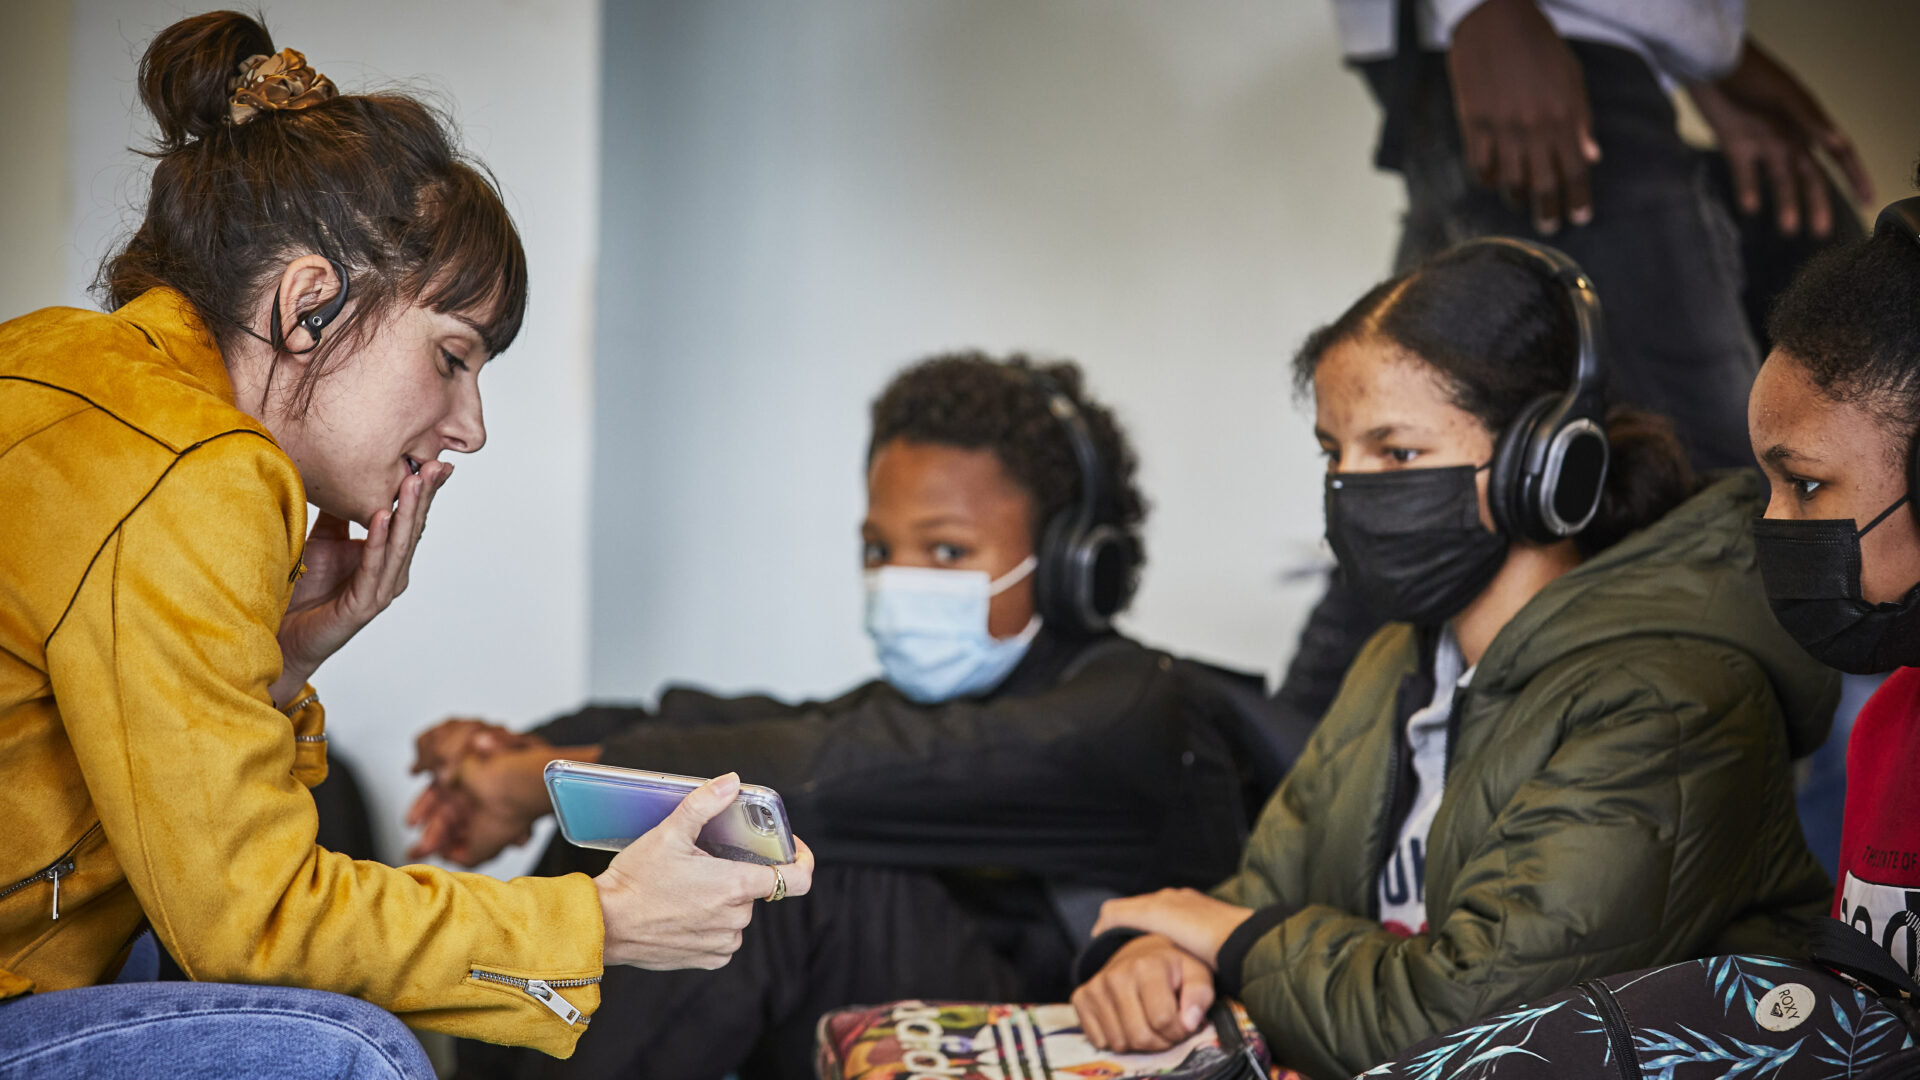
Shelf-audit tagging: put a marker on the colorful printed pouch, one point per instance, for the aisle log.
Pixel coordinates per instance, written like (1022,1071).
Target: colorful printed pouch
(941,1040)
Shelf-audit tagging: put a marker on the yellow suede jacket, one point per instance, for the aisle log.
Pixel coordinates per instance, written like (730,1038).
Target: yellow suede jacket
(150,534)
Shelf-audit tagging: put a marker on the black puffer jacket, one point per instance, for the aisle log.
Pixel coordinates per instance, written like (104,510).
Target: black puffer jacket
(1097,764)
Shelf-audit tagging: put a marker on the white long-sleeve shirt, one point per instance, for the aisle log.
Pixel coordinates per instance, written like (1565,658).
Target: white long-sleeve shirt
(1682,40)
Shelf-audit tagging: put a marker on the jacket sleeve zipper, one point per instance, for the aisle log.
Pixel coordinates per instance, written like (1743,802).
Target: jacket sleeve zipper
(53,872)
(544,991)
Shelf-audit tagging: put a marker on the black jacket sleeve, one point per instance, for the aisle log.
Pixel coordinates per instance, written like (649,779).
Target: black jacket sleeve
(1117,767)
(593,724)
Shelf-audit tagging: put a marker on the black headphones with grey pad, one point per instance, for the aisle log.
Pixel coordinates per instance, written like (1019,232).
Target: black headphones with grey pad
(1550,464)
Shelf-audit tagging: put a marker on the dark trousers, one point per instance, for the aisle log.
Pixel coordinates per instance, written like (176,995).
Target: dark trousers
(1664,255)
(1663,249)
(864,935)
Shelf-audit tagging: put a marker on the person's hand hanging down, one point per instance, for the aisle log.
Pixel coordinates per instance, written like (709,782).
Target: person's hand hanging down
(1522,102)
(347,582)
(1770,126)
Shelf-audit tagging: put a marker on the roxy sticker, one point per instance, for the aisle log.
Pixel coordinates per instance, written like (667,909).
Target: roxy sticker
(1784,1007)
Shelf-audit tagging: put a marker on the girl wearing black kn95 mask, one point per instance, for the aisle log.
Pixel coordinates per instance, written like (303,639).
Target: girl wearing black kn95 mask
(1832,418)
(1571,752)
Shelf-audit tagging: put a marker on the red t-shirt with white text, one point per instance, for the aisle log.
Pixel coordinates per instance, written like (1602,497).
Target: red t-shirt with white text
(1879,888)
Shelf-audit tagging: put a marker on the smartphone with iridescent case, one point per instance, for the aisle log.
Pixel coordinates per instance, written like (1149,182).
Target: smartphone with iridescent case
(601,806)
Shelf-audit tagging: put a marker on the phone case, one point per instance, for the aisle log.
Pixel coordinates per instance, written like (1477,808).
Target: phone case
(600,806)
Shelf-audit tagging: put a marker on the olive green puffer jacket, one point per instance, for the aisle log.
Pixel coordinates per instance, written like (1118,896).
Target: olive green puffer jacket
(1618,795)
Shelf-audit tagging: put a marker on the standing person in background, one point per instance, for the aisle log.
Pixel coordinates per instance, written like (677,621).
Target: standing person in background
(302,315)
(1551,120)
(1020,760)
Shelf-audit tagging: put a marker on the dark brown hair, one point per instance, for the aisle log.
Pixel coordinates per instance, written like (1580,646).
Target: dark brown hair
(374,182)
(1501,334)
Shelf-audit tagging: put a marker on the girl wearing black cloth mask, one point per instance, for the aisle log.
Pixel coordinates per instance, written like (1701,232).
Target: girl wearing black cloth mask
(1843,377)
(1832,416)
(1568,754)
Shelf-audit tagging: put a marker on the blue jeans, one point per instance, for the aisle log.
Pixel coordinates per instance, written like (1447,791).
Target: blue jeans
(204,1030)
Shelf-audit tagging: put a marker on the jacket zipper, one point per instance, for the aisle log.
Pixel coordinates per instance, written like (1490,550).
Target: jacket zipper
(542,990)
(1454,714)
(54,871)
(1389,828)
(1389,835)
(1619,1036)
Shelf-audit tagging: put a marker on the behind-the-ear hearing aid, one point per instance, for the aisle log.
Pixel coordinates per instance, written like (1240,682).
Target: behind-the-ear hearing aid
(314,321)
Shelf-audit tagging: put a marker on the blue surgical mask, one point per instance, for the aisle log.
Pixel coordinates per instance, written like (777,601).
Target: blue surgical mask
(930,630)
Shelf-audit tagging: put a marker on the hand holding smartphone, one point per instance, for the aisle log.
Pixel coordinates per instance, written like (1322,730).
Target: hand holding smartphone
(601,806)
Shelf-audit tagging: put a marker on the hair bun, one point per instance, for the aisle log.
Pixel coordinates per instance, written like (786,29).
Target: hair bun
(273,83)
(185,72)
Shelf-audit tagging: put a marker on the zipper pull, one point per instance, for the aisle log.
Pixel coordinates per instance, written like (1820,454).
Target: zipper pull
(55,874)
(551,998)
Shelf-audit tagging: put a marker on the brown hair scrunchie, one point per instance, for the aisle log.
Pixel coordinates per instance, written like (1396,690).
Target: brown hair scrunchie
(269,83)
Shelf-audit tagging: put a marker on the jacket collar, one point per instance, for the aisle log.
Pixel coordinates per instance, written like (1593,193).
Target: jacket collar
(1045,664)
(173,327)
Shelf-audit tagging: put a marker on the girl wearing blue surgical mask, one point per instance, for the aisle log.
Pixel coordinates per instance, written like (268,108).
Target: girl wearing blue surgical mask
(970,808)
(1567,754)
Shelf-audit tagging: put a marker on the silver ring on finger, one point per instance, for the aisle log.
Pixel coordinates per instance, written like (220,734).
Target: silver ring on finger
(779,886)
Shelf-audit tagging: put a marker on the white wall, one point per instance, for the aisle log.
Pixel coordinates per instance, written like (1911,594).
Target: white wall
(801,198)
(35,195)
(1857,57)
(496,616)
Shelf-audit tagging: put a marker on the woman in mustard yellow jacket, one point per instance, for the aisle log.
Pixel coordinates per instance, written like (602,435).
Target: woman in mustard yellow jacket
(301,318)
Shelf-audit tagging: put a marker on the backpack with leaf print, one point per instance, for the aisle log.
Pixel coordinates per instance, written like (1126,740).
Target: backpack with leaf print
(1851,1018)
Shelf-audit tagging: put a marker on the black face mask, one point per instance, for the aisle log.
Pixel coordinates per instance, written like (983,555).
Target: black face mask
(1812,573)
(1411,542)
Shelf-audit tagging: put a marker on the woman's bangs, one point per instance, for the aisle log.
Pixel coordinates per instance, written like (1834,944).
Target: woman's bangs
(474,264)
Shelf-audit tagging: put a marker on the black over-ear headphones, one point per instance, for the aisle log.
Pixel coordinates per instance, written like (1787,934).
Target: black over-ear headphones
(1550,464)
(314,321)
(1084,563)
(1903,217)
